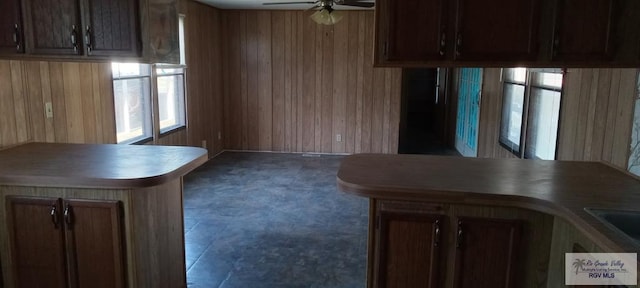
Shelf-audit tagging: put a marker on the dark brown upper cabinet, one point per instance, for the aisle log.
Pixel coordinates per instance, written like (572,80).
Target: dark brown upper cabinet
(583,30)
(487,253)
(83,27)
(53,27)
(446,33)
(500,30)
(411,30)
(11,37)
(110,28)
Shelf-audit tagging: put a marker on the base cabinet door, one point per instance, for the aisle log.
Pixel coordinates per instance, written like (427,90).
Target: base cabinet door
(486,253)
(66,243)
(94,241)
(37,242)
(409,250)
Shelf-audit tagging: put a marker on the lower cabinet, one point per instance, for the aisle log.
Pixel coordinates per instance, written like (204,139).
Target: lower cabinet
(409,251)
(439,245)
(487,252)
(65,242)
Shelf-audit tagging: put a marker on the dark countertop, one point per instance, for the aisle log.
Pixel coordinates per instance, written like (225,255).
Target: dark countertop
(96,165)
(559,188)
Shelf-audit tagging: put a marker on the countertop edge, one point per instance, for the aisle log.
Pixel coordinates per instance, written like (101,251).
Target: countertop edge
(513,201)
(104,183)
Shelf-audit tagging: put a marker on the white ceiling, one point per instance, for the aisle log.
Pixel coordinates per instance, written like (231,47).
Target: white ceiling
(257,4)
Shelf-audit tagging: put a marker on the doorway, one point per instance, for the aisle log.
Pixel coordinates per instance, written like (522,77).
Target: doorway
(469,95)
(424,122)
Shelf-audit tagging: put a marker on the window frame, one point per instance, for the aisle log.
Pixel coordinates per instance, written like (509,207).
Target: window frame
(504,140)
(152,116)
(183,72)
(148,126)
(529,86)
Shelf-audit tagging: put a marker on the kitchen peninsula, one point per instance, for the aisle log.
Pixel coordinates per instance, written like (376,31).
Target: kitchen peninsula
(469,222)
(83,215)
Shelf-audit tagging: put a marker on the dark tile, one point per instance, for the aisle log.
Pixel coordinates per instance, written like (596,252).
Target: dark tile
(273,220)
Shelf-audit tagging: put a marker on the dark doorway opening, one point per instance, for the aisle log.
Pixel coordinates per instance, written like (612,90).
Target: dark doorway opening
(424,118)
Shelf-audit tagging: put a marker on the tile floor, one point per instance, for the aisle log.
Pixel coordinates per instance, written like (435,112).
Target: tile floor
(273,220)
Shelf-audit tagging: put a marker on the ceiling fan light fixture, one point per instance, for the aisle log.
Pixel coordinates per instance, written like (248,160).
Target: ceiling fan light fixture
(326,16)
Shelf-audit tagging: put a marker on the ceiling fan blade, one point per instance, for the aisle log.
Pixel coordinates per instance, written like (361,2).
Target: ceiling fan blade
(312,8)
(288,3)
(357,4)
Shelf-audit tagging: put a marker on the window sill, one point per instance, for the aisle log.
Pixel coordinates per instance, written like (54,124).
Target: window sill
(173,130)
(509,148)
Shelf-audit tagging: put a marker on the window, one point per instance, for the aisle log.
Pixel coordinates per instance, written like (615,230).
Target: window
(132,101)
(530,112)
(170,98)
(145,111)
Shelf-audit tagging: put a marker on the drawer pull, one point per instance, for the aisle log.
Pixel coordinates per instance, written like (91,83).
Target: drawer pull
(54,215)
(436,232)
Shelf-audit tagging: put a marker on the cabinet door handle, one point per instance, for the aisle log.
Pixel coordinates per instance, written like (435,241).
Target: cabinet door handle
(54,215)
(16,36)
(443,42)
(74,40)
(67,215)
(459,235)
(436,232)
(458,44)
(385,49)
(87,39)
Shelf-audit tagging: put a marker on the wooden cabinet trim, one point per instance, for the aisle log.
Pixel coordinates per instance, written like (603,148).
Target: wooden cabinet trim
(11,227)
(115,211)
(463,244)
(436,245)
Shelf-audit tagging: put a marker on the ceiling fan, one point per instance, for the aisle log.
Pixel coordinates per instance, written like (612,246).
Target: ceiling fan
(325,14)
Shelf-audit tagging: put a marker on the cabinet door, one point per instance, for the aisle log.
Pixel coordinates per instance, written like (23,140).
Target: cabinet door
(53,27)
(37,242)
(94,243)
(499,30)
(415,29)
(486,252)
(408,250)
(583,30)
(110,27)
(11,27)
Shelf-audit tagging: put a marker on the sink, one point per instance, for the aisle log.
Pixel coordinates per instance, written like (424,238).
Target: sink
(626,221)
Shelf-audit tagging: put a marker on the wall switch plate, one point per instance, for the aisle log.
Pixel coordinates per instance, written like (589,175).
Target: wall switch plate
(339,137)
(48,109)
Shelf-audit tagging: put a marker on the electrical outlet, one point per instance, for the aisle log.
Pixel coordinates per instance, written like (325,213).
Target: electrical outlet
(204,144)
(48,109)
(339,137)
(219,135)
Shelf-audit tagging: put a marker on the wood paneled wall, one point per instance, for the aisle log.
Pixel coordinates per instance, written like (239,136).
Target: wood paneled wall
(293,85)
(597,114)
(81,95)
(595,117)
(203,40)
